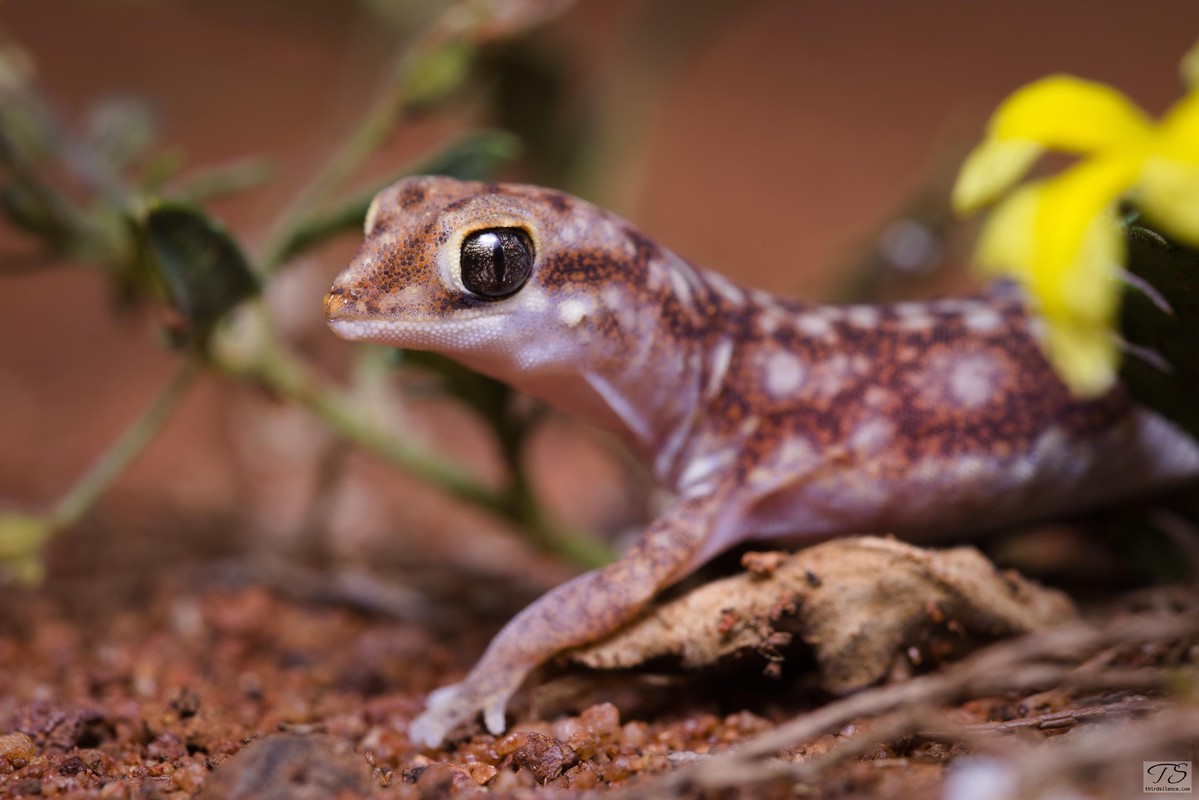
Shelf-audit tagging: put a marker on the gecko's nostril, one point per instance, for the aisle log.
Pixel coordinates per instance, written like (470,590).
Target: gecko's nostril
(335,302)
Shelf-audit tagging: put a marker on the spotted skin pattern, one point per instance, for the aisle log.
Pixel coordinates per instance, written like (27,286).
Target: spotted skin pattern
(767,417)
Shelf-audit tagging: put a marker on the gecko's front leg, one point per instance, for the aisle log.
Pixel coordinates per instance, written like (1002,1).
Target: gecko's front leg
(579,611)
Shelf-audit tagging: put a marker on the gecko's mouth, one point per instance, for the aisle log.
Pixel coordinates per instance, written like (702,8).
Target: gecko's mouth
(357,320)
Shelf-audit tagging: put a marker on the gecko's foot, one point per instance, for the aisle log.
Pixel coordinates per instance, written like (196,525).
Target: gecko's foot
(451,706)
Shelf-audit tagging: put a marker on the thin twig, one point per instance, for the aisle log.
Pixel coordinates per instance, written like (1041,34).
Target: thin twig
(285,374)
(1068,718)
(1183,533)
(224,179)
(1039,660)
(83,495)
(1110,749)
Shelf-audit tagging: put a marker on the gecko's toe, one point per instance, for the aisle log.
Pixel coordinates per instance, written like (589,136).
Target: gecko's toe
(426,731)
(450,707)
(431,728)
(493,718)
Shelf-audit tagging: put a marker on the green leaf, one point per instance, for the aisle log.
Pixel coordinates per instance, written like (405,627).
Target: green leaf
(435,72)
(204,269)
(225,179)
(473,157)
(488,397)
(1170,274)
(25,211)
(22,539)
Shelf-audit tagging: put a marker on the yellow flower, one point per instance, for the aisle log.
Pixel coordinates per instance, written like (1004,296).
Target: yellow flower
(1058,236)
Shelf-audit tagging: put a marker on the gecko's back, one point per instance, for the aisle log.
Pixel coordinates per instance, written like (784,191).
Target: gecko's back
(916,417)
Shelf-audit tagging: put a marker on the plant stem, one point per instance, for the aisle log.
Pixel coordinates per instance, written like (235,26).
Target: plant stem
(553,537)
(225,179)
(84,494)
(286,375)
(378,122)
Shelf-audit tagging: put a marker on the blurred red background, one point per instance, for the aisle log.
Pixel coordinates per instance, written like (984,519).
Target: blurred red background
(769,150)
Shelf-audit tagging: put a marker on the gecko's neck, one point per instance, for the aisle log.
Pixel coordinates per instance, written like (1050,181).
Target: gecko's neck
(643,354)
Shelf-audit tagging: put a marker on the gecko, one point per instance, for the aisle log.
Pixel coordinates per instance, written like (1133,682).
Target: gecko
(764,416)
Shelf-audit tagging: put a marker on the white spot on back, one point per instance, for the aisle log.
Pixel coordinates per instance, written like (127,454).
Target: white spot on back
(914,316)
(871,436)
(722,354)
(795,454)
(973,379)
(572,311)
(1036,328)
(569,232)
(831,313)
(372,216)
(784,374)
(768,321)
(725,288)
(954,305)
(876,397)
(682,290)
(626,411)
(613,298)
(765,300)
(830,376)
(703,468)
(982,319)
(863,316)
(972,468)
(815,326)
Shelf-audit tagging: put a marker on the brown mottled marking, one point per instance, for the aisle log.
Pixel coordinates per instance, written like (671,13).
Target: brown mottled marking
(767,417)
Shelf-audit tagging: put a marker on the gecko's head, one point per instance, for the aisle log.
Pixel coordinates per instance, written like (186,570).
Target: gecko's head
(505,273)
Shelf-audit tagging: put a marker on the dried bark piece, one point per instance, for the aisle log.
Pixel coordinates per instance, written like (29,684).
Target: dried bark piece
(856,601)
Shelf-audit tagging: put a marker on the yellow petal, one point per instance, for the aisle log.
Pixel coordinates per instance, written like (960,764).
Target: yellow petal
(1169,196)
(1086,357)
(1078,249)
(990,170)
(1055,238)
(1007,243)
(1168,189)
(1178,134)
(1067,113)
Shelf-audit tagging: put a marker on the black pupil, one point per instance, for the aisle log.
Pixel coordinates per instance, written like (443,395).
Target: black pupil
(496,262)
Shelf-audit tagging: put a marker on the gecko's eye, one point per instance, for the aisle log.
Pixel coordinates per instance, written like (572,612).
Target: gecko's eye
(496,262)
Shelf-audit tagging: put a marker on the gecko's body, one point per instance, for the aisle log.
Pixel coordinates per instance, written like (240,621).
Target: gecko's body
(766,416)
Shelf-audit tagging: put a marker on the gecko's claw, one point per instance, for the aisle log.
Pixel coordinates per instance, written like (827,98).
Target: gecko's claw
(453,706)
(493,718)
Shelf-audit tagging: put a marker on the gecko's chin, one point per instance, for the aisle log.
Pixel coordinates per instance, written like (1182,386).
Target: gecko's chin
(475,335)
(366,329)
(353,330)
